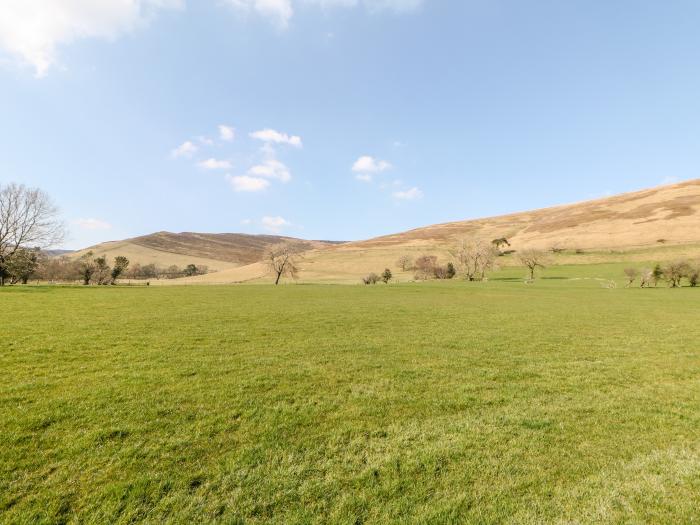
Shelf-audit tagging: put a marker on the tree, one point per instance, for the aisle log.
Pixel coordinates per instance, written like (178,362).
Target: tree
(675,271)
(498,243)
(283,260)
(102,269)
(657,274)
(149,271)
(386,275)
(372,278)
(694,275)
(533,259)
(631,274)
(190,270)
(405,263)
(121,263)
(425,266)
(451,272)
(646,278)
(86,267)
(174,271)
(135,271)
(28,218)
(474,259)
(22,265)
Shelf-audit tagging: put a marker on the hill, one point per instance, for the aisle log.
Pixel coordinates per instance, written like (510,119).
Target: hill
(218,251)
(657,223)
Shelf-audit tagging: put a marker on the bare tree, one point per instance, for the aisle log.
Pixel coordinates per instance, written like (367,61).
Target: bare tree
(425,266)
(675,271)
(28,219)
(474,259)
(372,278)
(283,260)
(646,278)
(405,262)
(533,259)
(631,274)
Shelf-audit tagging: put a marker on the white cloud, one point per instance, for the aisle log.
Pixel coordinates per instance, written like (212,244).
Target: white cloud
(364,177)
(214,164)
(246,222)
(408,195)
(32,30)
(270,135)
(226,133)
(280,11)
(92,224)
(186,149)
(205,140)
(271,169)
(373,6)
(246,183)
(367,164)
(275,224)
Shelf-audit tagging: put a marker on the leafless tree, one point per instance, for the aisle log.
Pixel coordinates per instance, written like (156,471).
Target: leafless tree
(675,271)
(372,278)
(28,219)
(283,260)
(405,262)
(475,258)
(425,266)
(646,278)
(533,259)
(631,274)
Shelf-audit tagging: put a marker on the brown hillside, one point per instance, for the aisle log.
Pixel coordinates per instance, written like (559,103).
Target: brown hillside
(658,223)
(218,251)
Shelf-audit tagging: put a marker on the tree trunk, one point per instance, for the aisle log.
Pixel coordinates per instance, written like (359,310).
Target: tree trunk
(277,281)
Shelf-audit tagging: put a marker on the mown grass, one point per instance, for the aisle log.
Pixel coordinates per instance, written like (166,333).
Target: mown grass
(558,402)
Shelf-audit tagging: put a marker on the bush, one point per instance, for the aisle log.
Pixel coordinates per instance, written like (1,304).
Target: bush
(372,278)
(386,275)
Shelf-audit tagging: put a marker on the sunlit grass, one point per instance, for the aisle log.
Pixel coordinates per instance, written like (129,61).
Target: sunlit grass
(561,401)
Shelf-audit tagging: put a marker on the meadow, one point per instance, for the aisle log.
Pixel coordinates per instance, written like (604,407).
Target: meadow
(443,402)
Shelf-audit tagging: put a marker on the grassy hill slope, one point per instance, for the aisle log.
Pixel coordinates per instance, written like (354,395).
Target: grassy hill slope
(655,224)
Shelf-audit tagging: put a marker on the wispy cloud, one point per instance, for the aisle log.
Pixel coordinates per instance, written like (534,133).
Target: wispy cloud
(226,133)
(280,12)
(367,164)
(271,135)
(275,224)
(247,184)
(408,195)
(271,169)
(187,149)
(92,224)
(214,164)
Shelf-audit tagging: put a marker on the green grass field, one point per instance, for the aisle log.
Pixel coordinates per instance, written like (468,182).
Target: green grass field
(558,402)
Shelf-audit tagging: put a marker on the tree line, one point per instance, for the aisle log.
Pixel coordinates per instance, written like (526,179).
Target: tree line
(88,269)
(673,273)
(471,260)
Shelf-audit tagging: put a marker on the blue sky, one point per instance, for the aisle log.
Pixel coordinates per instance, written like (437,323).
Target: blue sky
(343,119)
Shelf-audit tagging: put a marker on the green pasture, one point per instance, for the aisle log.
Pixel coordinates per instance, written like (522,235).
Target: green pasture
(563,401)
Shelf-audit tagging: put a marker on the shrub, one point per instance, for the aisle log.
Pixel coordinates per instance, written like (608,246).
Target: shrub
(386,275)
(372,278)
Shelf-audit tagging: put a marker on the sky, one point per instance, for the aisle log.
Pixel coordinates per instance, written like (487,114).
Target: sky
(340,119)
